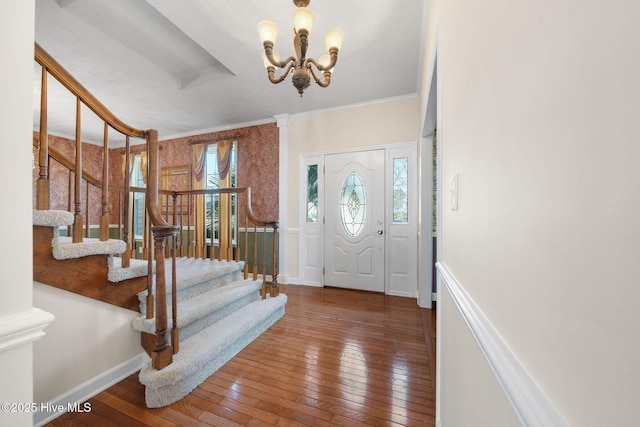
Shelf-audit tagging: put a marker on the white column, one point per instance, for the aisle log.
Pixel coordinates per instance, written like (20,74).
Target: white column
(283,168)
(20,323)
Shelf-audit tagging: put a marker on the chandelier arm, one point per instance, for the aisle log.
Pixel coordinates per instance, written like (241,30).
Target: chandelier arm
(268,51)
(271,71)
(333,55)
(321,83)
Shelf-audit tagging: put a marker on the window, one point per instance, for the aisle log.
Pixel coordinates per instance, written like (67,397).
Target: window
(353,204)
(213,177)
(213,182)
(137,180)
(400,190)
(312,193)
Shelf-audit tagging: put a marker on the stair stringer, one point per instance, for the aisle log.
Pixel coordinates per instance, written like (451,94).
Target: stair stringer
(86,268)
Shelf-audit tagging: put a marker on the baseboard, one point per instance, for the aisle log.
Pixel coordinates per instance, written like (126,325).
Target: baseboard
(402,294)
(83,392)
(529,402)
(299,283)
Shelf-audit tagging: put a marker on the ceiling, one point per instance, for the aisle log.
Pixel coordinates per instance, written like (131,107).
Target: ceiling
(193,66)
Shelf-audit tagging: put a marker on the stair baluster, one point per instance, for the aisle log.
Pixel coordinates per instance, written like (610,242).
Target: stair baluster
(157,230)
(104,217)
(42,185)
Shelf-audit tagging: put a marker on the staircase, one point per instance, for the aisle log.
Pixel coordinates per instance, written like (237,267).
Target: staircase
(196,311)
(220,313)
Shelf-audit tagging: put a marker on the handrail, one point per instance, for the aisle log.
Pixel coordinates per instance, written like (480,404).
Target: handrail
(54,68)
(161,354)
(230,190)
(159,228)
(273,289)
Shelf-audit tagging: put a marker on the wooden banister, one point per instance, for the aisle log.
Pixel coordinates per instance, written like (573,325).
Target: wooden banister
(161,229)
(234,248)
(159,225)
(67,80)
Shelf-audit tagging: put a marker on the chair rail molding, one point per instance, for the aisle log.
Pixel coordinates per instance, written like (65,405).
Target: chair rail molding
(529,402)
(23,327)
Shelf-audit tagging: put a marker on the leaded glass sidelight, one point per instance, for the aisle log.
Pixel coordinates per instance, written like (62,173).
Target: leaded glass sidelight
(353,204)
(312,193)
(400,190)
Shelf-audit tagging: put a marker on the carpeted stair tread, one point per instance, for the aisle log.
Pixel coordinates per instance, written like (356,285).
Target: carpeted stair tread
(221,301)
(64,248)
(205,352)
(137,268)
(52,218)
(196,276)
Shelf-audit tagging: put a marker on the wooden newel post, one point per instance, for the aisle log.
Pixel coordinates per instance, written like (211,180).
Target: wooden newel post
(162,354)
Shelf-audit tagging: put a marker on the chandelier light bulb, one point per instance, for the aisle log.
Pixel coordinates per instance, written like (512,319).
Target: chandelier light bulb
(268,31)
(303,19)
(334,39)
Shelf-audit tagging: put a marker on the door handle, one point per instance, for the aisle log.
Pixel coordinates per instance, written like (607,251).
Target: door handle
(380,231)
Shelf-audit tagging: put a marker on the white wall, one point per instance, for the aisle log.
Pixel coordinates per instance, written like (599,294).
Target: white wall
(16,269)
(88,338)
(387,122)
(537,114)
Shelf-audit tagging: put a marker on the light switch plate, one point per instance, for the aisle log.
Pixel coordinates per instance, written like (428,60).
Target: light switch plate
(453,189)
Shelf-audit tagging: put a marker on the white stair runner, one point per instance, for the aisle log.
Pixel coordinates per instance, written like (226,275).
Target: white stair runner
(63,247)
(219,313)
(205,352)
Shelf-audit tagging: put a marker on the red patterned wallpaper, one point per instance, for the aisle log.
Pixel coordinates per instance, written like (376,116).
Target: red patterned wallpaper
(59,177)
(258,168)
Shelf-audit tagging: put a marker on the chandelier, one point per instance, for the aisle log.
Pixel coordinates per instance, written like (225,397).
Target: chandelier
(301,65)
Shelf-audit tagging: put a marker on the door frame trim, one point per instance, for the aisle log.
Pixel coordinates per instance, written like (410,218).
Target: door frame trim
(309,277)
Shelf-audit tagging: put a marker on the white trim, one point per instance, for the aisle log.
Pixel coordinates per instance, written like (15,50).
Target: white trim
(359,149)
(403,294)
(217,129)
(282,121)
(295,281)
(529,402)
(89,388)
(310,275)
(402,283)
(23,327)
(352,106)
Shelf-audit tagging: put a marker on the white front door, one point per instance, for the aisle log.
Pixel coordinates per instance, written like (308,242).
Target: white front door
(354,220)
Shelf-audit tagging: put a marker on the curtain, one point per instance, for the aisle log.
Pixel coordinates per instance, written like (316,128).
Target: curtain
(224,157)
(143,165)
(198,167)
(199,157)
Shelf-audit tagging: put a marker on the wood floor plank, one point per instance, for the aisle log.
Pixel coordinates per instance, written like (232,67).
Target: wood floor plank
(337,357)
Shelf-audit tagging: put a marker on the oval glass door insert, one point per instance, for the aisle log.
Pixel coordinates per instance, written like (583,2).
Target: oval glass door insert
(353,204)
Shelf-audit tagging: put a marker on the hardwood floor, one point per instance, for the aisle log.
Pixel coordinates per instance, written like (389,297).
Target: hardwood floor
(337,357)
